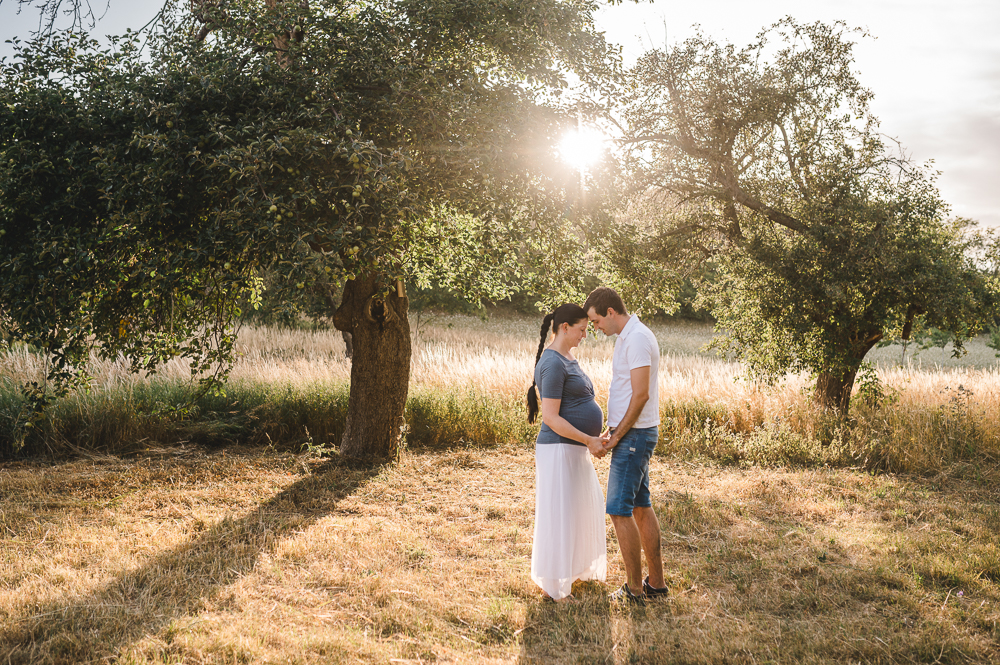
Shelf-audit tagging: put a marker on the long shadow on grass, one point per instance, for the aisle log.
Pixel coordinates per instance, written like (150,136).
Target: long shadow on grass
(770,583)
(175,583)
(572,632)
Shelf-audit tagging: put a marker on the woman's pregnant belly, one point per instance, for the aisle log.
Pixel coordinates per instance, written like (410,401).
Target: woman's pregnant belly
(586,416)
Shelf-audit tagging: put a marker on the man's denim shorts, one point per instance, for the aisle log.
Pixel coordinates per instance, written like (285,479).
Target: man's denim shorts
(628,477)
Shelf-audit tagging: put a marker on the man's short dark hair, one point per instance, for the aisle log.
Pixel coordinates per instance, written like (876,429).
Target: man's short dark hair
(601,299)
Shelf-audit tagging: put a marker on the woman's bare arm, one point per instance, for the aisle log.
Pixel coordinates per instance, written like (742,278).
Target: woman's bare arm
(562,427)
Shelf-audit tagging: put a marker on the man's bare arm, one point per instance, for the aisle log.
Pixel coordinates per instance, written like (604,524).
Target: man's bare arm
(639,378)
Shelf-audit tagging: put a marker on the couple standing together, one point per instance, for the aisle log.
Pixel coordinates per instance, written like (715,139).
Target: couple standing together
(570,541)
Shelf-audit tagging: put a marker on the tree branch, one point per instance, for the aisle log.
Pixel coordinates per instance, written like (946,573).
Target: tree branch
(772,214)
(207,12)
(793,166)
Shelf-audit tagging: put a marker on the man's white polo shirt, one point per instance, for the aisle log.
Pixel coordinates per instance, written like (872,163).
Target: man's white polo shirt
(635,347)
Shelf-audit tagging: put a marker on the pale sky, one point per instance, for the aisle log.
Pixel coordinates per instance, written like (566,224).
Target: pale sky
(934,68)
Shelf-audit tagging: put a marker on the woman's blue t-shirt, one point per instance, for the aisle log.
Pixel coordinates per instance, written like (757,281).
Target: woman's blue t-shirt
(559,377)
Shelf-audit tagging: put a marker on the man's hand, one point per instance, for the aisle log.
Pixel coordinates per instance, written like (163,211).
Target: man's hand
(595,444)
(611,442)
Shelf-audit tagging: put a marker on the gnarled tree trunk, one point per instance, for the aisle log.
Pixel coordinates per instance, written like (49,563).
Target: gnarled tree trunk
(380,367)
(833,388)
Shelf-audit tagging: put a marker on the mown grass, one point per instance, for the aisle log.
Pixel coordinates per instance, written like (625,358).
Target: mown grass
(254,555)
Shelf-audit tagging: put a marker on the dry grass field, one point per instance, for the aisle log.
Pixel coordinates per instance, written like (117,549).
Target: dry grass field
(256,556)
(789,536)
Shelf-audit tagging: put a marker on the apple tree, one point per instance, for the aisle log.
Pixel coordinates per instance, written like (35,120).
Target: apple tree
(146,186)
(824,238)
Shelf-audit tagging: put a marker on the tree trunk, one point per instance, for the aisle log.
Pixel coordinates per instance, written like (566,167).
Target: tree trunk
(380,368)
(348,344)
(833,391)
(833,388)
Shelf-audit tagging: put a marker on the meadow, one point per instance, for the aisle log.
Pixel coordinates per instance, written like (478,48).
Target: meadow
(467,387)
(233,534)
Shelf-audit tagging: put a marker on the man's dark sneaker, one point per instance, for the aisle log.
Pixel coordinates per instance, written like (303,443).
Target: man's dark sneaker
(652,592)
(624,596)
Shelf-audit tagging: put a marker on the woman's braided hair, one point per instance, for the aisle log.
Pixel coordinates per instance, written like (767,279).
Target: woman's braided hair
(569,313)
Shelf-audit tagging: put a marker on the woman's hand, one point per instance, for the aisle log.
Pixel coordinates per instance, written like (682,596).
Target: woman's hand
(595,444)
(610,440)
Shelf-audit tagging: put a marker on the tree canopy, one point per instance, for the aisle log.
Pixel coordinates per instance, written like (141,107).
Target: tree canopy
(826,239)
(349,146)
(352,143)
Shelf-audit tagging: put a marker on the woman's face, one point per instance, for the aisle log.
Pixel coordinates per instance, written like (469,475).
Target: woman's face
(575,332)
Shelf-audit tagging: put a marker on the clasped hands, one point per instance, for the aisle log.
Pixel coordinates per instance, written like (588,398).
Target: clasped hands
(599,446)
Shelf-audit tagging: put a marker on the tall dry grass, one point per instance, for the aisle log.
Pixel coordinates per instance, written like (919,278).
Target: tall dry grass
(468,380)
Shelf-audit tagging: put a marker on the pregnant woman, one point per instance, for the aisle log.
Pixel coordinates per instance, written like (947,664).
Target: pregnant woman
(569,542)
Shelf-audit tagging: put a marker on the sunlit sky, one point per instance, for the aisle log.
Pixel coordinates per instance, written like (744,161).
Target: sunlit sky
(934,66)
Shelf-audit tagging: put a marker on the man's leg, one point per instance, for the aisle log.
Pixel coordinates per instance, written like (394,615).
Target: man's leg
(648,528)
(630,543)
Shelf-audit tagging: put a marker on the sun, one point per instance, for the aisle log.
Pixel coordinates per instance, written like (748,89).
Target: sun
(582,148)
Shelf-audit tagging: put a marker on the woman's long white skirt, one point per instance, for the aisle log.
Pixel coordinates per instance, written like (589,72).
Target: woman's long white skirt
(570,541)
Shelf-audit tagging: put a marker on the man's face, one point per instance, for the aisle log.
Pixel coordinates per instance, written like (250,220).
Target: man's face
(604,322)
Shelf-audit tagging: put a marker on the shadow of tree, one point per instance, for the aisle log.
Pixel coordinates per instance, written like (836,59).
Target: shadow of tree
(175,583)
(765,567)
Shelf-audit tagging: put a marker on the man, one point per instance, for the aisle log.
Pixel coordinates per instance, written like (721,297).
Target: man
(633,419)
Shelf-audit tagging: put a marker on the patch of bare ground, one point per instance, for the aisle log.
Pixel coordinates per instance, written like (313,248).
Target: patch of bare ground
(257,556)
